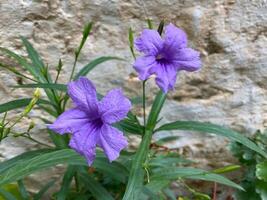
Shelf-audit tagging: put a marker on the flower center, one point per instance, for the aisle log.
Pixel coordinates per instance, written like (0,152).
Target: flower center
(161,58)
(98,122)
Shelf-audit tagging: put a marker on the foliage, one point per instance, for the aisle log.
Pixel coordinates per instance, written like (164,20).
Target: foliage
(255,168)
(143,174)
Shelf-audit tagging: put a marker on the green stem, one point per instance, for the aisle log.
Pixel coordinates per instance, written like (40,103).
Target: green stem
(73,68)
(136,176)
(144,104)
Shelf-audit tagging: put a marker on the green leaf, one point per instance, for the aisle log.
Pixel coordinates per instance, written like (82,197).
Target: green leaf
(212,128)
(22,190)
(35,71)
(261,189)
(87,68)
(169,193)
(30,162)
(226,169)
(5,165)
(86,31)
(131,42)
(136,177)
(167,161)
(114,170)
(157,185)
(66,183)
(155,110)
(53,86)
(33,54)
(23,62)
(261,171)
(61,141)
(16,72)
(97,190)
(39,162)
(173,173)
(166,139)
(40,194)
(19,103)
(7,195)
(129,127)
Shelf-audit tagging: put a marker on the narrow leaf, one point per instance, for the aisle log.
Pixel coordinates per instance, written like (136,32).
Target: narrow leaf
(155,110)
(66,183)
(22,190)
(87,68)
(7,195)
(174,173)
(86,31)
(40,194)
(53,86)
(214,129)
(8,164)
(19,103)
(97,190)
(39,162)
(33,54)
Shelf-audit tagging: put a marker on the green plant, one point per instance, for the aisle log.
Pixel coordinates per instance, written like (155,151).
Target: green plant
(144,174)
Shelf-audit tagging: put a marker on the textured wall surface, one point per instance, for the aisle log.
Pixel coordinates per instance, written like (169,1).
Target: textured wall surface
(231,88)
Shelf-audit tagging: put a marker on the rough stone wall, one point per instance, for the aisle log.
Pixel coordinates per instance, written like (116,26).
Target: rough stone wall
(230,89)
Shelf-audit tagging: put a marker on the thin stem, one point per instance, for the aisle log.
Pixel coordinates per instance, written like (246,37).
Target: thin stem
(36,141)
(214,194)
(57,76)
(73,68)
(28,136)
(144,104)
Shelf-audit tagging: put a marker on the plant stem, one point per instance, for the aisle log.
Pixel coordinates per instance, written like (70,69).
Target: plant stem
(36,141)
(136,176)
(74,66)
(144,104)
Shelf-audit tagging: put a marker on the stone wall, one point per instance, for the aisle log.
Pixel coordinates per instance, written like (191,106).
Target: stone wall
(231,88)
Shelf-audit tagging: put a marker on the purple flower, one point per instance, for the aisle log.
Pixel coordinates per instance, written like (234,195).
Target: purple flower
(164,57)
(90,122)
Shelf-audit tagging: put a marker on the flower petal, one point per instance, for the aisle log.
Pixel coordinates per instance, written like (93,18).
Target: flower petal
(84,142)
(112,141)
(69,121)
(149,42)
(83,93)
(143,65)
(174,38)
(166,77)
(187,59)
(114,106)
